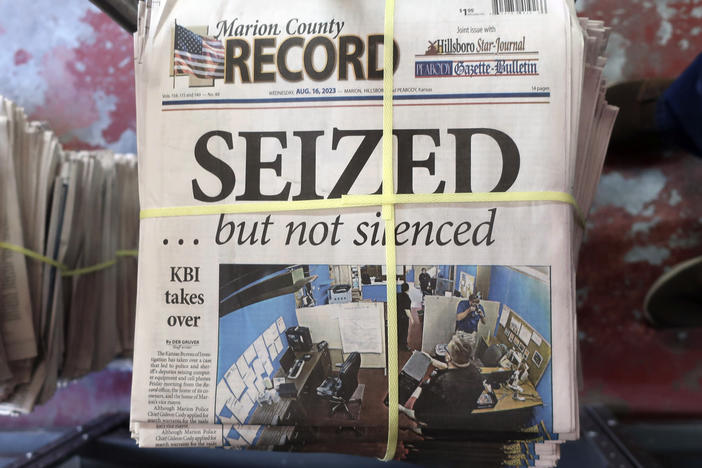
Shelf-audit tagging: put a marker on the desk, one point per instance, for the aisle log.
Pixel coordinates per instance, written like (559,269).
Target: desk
(287,410)
(505,402)
(313,372)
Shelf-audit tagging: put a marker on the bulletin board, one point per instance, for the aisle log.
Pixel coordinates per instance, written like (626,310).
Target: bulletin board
(515,332)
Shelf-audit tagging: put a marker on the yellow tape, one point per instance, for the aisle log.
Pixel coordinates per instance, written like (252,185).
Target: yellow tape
(259,207)
(480,197)
(389,217)
(350,201)
(64,268)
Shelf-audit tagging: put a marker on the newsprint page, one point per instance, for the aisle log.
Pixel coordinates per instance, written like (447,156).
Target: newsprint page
(256,324)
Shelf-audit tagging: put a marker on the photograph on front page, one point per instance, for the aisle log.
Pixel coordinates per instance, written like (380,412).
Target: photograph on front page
(305,346)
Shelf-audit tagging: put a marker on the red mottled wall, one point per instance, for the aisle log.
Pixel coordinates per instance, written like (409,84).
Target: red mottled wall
(70,65)
(647,217)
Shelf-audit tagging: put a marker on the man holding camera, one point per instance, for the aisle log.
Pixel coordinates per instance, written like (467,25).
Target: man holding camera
(468,314)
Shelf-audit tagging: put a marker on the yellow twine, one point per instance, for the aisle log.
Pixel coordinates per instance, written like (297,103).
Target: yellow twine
(64,268)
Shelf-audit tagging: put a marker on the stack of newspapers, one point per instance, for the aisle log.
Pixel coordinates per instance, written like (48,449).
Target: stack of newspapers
(66,296)
(315,277)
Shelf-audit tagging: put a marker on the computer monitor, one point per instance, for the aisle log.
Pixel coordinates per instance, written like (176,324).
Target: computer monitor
(287,360)
(481,348)
(495,379)
(411,376)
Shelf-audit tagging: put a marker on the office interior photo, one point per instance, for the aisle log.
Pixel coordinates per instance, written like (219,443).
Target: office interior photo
(305,345)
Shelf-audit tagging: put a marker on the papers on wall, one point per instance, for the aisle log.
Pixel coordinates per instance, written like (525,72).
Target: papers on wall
(231,418)
(258,383)
(515,325)
(258,367)
(271,334)
(360,327)
(249,354)
(242,365)
(260,348)
(249,378)
(280,323)
(525,334)
(244,379)
(235,383)
(268,367)
(223,395)
(231,374)
(278,345)
(251,397)
(241,408)
(536,338)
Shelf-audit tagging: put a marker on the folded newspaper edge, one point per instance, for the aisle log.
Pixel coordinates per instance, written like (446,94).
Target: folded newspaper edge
(62,316)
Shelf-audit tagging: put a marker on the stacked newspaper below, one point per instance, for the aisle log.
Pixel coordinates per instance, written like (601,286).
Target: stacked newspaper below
(262,311)
(75,209)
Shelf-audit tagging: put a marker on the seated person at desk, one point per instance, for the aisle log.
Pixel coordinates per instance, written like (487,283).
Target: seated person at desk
(447,399)
(404,309)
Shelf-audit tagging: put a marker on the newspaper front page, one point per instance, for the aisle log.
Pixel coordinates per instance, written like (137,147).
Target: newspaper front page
(250,326)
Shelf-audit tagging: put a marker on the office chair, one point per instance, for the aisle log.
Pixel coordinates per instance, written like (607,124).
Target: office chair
(338,390)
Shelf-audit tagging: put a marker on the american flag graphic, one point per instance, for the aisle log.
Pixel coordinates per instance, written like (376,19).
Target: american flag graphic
(197,55)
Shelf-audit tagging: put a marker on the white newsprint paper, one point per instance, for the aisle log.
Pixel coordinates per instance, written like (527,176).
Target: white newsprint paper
(248,102)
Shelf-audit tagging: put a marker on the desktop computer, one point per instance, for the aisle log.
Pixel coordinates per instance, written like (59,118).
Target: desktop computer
(299,338)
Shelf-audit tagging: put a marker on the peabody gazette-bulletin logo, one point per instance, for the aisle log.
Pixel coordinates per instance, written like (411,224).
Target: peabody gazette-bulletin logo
(318,52)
